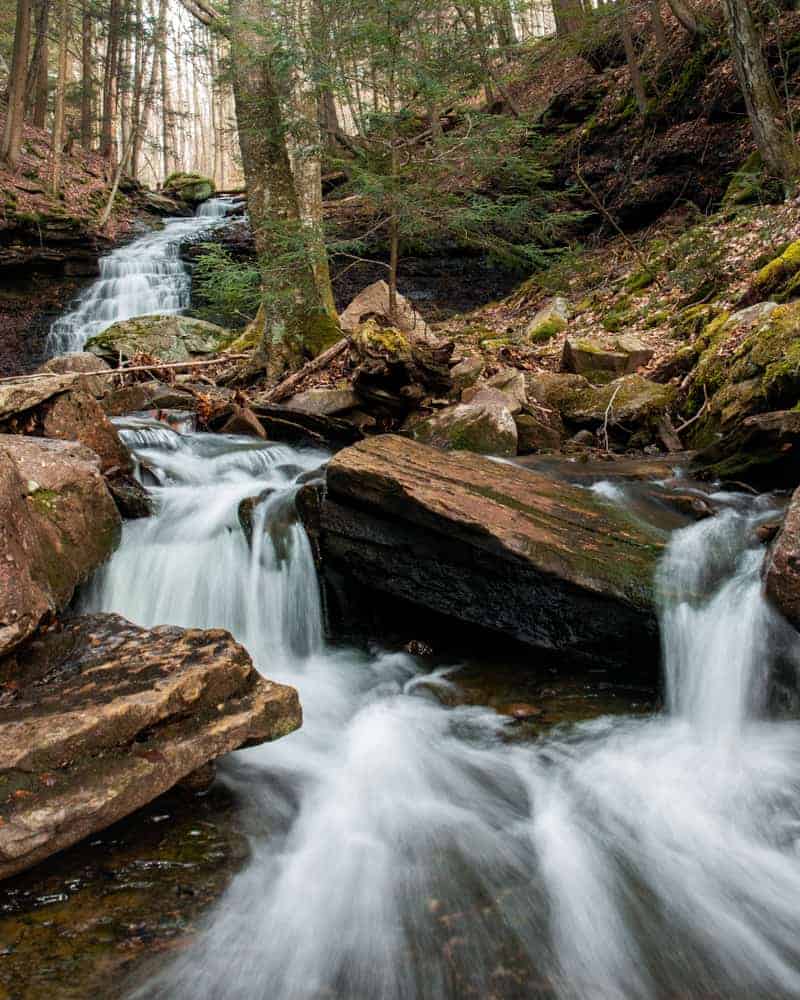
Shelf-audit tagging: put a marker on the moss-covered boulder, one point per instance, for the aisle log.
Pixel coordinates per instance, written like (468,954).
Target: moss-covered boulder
(749,363)
(549,321)
(191,189)
(169,338)
(600,361)
(485,425)
(628,405)
(779,279)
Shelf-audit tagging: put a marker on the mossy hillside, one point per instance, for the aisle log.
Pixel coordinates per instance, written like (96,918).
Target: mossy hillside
(775,279)
(746,371)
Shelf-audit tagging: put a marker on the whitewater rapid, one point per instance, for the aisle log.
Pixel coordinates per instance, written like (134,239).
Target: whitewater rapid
(142,278)
(402,849)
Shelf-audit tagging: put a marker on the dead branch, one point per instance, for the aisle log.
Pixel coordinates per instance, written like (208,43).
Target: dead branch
(110,372)
(288,385)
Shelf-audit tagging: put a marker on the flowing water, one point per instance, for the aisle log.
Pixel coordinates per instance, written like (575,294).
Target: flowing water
(402,849)
(141,278)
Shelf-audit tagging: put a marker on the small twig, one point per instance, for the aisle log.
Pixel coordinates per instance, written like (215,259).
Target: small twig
(696,417)
(604,436)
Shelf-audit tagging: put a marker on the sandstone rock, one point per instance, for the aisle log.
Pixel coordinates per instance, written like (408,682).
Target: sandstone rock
(549,321)
(21,397)
(490,543)
(130,398)
(325,402)
(104,716)
(764,450)
(132,499)
(77,416)
(484,425)
(466,373)
(633,403)
(79,364)
(58,523)
(594,360)
(244,421)
(538,433)
(630,401)
(782,570)
(169,338)
(373,304)
(508,383)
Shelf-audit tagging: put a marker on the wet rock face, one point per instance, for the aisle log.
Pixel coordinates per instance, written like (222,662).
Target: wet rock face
(782,571)
(104,716)
(58,523)
(492,544)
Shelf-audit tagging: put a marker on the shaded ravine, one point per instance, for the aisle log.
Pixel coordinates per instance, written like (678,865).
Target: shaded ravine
(403,849)
(144,277)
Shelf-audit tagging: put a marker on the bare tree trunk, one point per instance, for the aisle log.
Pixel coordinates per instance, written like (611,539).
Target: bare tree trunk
(11,144)
(107,143)
(632,60)
(87,80)
(774,140)
(568,15)
(61,87)
(37,82)
(657,22)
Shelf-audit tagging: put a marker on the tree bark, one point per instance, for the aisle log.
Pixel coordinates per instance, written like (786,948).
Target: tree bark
(293,307)
(61,87)
(657,22)
(11,143)
(568,15)
(107,144)
(632,60)
(774,140)
(37,82)
(87,80)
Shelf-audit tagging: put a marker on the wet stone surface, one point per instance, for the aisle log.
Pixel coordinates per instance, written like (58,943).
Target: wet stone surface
(78,924)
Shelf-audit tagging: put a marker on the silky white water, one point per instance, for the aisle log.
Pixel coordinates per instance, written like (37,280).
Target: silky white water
(142,278)
(402,849)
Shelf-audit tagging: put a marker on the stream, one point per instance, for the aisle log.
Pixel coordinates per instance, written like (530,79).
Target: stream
(404,846)
(410,844)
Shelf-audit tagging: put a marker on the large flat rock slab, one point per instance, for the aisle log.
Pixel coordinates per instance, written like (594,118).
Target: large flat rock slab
(58,523)
(510,549)
(101,717)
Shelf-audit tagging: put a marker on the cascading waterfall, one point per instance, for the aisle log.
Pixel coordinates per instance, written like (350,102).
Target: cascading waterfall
(144,277)
(404,850)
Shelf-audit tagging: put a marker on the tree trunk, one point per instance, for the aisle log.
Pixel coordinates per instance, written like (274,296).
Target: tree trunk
(11,143)
(293,319)
(107,144)
(87,80)
(659,31)
(774,140)
(61,87)
(568,15)
(38,83)
(632,60)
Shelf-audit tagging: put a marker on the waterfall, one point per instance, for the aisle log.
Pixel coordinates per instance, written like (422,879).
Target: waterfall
(404,850)
(142,278)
